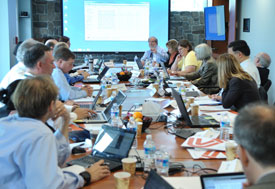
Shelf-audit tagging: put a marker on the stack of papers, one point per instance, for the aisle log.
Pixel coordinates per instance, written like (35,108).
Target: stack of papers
(205,100)
(164,103)
(213,109)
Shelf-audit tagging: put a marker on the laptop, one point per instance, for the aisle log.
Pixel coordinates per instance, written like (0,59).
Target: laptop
(225,180)
(193,121)
(139,64)
(99,77)
(97,67)
(93,104)
(167,76)
(105,116)
(156,181)
(112,144)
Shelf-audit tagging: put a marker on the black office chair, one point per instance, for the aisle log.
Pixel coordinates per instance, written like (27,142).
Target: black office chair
(267,85)
(263,94)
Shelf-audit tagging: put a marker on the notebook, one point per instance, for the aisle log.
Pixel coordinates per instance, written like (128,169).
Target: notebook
(92,106)
(105,116)
(226,180)
(99,77)
(193,121)
(112,144)
(155,181)
(167,76)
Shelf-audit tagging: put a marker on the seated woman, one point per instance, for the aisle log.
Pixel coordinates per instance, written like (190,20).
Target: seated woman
(5,98)
(239,87)
(205,78)
(172,46)
(186,61)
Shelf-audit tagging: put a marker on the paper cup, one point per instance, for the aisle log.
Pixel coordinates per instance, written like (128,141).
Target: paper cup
(156,86)
(122,180)
(231,150)
(142,72)
(124,62)
(129,165)
(194,109)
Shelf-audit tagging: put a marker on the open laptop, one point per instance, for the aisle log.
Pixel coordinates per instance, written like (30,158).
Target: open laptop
(93,104)
(225,180)
(139,64)
(156,181)
(112,144)
(167,76)
(97,67)
(193,121)
(99,77)
(105,116)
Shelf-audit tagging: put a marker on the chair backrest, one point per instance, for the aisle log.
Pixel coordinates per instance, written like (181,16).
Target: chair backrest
(263,94)
(267,85)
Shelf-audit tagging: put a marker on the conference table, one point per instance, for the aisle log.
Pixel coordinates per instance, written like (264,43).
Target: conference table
(172,144)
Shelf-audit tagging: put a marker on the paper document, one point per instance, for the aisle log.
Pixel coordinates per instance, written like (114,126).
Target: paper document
(184,182)
(212,109)
(95,87)
(204,143)
(164,103)
(121,87)
(205,100)
(206,154)
(231,166)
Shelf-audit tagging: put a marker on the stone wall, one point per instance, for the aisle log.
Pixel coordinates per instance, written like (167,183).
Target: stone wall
(47,15)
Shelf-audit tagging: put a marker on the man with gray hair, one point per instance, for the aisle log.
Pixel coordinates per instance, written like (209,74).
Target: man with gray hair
(262,61)
(254,131)
(17,71)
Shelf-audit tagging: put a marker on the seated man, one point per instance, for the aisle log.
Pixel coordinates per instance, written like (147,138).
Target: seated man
(156,53)
(64,60)
(18,70)
(262,61)
(241,51)
(51,43)
(28,151)
(254,132)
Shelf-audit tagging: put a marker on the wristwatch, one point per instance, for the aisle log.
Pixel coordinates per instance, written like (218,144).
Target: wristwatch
(87,177)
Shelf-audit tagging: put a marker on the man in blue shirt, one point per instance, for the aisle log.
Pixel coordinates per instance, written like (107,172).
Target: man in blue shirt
(156,53)
(28,156)
(64,60)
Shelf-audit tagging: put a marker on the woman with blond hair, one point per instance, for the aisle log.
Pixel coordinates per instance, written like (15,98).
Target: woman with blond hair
(239,87)
(172,46)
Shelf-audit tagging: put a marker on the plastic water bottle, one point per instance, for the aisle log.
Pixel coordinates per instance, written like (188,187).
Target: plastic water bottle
(162,161)
(91,63)
(149,151)
(135,59)
(104,88)
(113,95)
(86,60)
(132,125)
(114,79)
(114,115)
(147,68)
(224,127)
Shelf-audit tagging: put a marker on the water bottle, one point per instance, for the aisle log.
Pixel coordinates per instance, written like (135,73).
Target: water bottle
(132,125)
(114,79)
(135,59)
(86,60)
(162,161)
(104,88)
(149,151)
(114,115)
(113,95)
(224,127)
(91,63)
(147,69)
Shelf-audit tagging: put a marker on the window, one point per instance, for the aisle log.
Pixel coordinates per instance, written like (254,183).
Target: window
(188,5)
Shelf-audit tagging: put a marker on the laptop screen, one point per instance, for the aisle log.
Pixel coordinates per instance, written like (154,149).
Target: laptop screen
(166,75)
(181,107)
(119,99)
(113,142)
(228,181)
(140,66)
(96,99)
(156,181)
(104,71)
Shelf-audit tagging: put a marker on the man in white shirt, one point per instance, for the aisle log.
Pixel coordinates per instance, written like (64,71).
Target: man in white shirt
(254,131)
(155,53)
(63,60)
(18,70)
(241,51)
(28,156)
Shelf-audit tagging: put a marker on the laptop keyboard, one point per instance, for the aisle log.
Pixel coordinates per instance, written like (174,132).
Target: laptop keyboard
(89,160)
(187,132)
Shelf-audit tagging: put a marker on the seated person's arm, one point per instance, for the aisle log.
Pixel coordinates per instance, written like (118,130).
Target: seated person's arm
(231,93)
(187,69)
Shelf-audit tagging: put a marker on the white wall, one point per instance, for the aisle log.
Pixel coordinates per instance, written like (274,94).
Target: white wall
(4,38)
(261,37)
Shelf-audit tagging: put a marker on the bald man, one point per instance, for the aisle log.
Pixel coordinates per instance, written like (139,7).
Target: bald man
(262,61)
